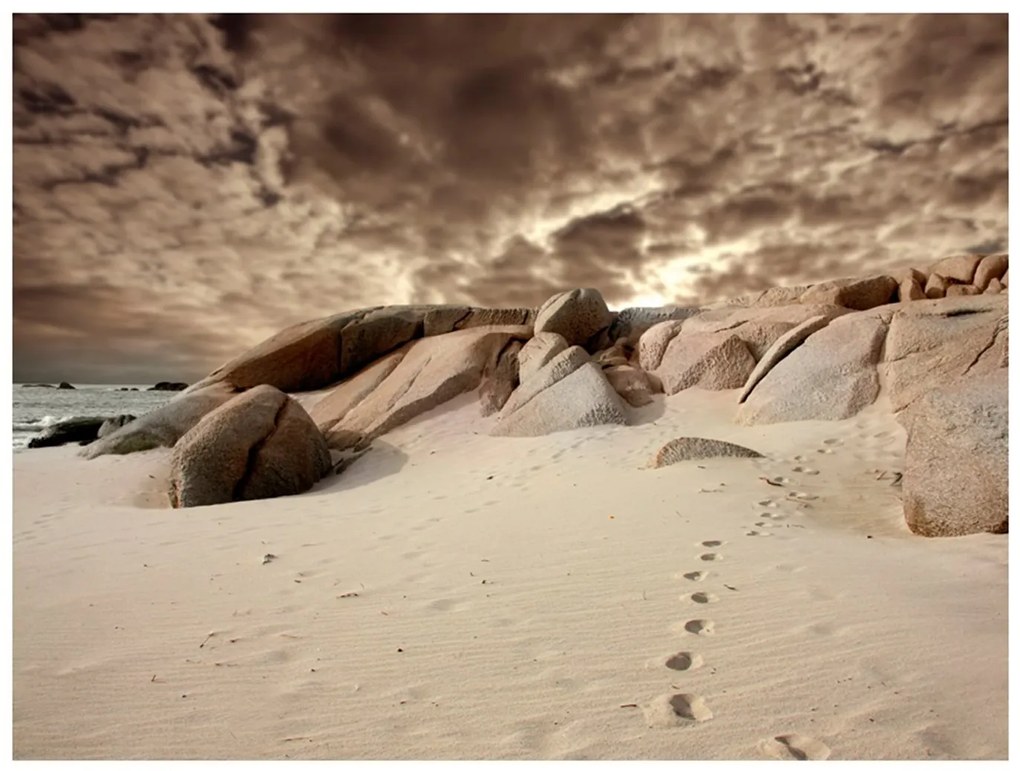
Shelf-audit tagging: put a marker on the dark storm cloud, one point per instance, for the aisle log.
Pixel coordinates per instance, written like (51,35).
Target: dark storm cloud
(187,185)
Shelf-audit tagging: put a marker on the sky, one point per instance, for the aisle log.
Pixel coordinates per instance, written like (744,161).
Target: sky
(188,185)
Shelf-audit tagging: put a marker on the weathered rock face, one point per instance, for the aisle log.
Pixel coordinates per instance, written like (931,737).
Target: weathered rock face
(316,354)
(992,267)
(499,381)
(697,448)
(430,372)
(933,343)
(557,368)
(578,315)
(631,323)
(955,476)
(538,351)
(708,360)
(81,430)
(831,376)
(112,424)
(261,444)
(580,397)
(910,289)
(959,268)
(165,425)
(654,341)
(631,383)
(856,294)
(781,348)
(958,290)
(935,287)
(616,356)
(344,397)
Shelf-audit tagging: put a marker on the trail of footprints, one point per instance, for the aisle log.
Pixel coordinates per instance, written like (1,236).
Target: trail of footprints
(688,709)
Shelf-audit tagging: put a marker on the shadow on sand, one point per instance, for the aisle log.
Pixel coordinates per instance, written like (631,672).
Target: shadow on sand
(380,460)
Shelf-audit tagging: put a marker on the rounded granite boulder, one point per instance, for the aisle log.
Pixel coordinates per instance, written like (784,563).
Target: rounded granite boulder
(577,315)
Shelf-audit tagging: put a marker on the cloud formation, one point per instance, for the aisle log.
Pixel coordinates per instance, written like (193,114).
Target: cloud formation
(188,185)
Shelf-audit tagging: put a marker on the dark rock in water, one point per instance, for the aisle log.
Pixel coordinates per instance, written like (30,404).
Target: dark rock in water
(66,386)
(112,424)
(37,385)
(165,386)
(125,388)
(83,430)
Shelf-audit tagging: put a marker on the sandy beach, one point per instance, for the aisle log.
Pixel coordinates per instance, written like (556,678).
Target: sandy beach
(512,598)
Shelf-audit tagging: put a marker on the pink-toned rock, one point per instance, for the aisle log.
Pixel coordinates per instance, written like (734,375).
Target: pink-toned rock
(711,360)
(962,290)
(579,315)
(935,287)
(992,267)
(500,380)
(654,341)
(1005,278)
(994,287)
(959,268)
(911,273)
(859,294)
(341,399)
(910,290)
(631,383)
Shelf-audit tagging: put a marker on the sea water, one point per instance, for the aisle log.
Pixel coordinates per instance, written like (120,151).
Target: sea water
(36,408)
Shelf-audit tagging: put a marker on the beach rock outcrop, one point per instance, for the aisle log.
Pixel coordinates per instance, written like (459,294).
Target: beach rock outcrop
(631,323)
(959,268)
(955,475)
(707,360)
(500,380)
(779,349)
(66,386)
(538,352)
(319,353)
(698,448)
(578,315)
(112,424)
(261,444)
(991,268)
(910,289)
(631,383)
(831,376)
(859,294)
(653,343)
(164,385)
(428,373)
(935,287)
(37,385)
(81,430)
(934,343)
(163,426)
(569,392)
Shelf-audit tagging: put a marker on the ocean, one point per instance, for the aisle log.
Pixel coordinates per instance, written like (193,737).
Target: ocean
(36,408)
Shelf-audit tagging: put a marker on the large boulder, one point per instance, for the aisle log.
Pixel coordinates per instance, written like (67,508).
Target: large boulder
(708,360)
(935,287)
(910,289)
(554,370)
(991,268)
(261,444)
(654,341)
(430,372)
(779,349)
(579,315)
(959,268)
(342,398)
(934,342)
(859,294)
(831,376)
(580,398)
(539,351)
(65,386)
(112,424)
(698,448)
(163,426)
(500,379)
(955,475)
(318,353)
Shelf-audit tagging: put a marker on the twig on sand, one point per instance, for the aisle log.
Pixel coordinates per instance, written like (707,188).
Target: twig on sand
(623,706)
(768,481)
(206,640)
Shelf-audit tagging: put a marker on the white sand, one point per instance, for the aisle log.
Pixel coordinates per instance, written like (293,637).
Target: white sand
(455,595)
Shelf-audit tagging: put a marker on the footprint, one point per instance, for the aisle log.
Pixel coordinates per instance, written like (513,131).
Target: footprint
(802,496)
(832,441)
(703,598)
(684,661)
(825,451)
(758,534)
(696,575)
(795,747)
(710,557)
(768,503)
(805,470)
(774,517)
(711,544)
(681,709)
(700,626)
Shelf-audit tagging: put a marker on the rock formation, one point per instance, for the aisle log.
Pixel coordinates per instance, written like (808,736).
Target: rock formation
(261,444)
(166,386)
(81,430)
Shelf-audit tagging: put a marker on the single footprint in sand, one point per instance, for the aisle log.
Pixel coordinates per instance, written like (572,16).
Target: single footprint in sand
(802,496)
(696,575)
(681,709)
(805,470)
(703,598)
(684,661)
(832,441)
(757,533)
(711,544)
(825,451)
(700,626)
(710,557)
(768,503)
(795,747)
(773,516)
